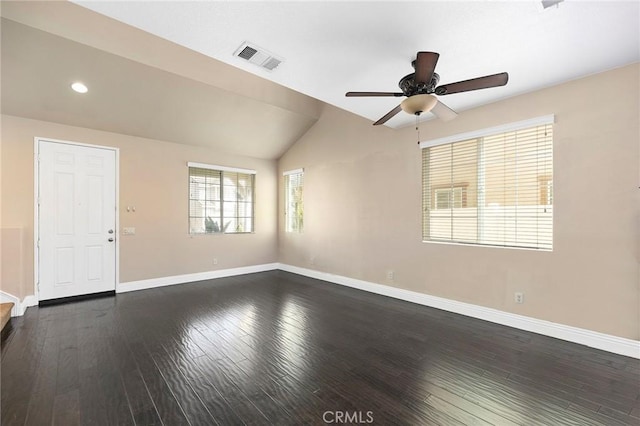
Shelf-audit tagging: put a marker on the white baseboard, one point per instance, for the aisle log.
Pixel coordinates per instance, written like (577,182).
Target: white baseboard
(28,301)
(606,342)
(18,306)
(189,278)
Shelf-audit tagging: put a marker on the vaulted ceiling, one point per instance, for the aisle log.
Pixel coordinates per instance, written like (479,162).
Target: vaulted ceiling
(167,70)
(140,85)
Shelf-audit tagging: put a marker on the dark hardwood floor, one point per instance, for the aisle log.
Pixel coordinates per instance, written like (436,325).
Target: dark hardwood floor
(279,349)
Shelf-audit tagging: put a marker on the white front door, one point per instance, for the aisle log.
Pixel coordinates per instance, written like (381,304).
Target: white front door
(76,219)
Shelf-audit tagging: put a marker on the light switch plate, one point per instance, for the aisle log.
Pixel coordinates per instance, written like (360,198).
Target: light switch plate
(128,231)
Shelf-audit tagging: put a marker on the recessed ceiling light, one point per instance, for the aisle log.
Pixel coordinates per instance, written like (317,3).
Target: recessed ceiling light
(79,87)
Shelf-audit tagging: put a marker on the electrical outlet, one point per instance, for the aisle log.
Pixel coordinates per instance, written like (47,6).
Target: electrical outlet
(518,297)
(215,260)
(390,274)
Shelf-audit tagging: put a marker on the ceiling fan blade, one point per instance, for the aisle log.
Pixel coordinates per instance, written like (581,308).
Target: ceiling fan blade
(443,112)
(394,94)
(425,65)
(485,82)
(388,115)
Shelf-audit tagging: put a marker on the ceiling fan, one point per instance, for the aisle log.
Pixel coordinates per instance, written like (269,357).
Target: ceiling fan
(419,86)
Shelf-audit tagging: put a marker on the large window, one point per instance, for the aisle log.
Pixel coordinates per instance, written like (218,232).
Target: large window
(221,199)
(293,200)
(491,187)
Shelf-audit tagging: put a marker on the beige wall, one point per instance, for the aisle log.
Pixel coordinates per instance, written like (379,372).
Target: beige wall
(154,179)
(363,208)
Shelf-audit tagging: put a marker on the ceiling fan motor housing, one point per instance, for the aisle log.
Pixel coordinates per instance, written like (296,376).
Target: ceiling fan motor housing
(409,87)
(420,86)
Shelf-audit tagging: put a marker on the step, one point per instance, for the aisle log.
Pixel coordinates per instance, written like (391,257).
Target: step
(5,313)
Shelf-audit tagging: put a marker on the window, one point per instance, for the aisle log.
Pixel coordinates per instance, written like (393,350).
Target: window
(293,200)
(491,187)
(546,190)
(450,197)
(221,199)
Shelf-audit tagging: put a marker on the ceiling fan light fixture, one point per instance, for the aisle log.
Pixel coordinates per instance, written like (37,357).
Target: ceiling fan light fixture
(417,104)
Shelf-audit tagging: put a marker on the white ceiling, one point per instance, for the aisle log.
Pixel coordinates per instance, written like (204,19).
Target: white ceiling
(334,47)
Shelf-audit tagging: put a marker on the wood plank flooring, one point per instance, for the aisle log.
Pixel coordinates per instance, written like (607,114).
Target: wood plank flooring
(275,348)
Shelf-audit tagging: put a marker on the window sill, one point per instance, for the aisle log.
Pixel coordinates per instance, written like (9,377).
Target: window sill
(456,243)
(199,234)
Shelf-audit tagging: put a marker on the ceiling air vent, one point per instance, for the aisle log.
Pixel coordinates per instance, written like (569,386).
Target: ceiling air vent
(247,53)
(258,56)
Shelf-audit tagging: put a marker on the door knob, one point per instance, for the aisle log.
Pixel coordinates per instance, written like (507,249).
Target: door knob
(110,240)
(110,231)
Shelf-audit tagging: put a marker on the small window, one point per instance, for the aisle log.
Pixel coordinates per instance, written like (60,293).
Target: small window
(450,198)
(546,190)
(293,200)
(221,199)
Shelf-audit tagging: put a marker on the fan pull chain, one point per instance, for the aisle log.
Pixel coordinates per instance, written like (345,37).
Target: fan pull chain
(418,128)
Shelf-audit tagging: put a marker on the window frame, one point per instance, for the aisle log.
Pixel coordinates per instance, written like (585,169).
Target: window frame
(544,182)
(222,171)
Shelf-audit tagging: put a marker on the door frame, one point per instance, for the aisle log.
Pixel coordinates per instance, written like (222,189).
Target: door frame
(36,207)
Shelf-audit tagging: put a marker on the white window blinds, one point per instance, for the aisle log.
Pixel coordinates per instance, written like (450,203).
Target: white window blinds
(494,188)
(293,200)
(220,201)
